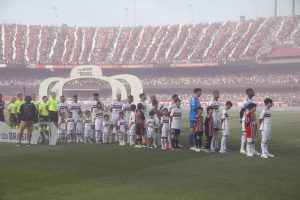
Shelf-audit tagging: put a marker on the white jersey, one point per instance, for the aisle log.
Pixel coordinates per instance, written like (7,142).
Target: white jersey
(127,111)
(98,113)
(106,126)
(79,125)
(165,122)
(70,123)
(144,108)
(245,105)
(122,125)
(94,108)
(176,115)
(225,117)
(215,104)
(98,119)
(265,115)
(132,119)
(157,121)
(87,125)
(150,130)
(171,106)
(63,108)
(150,123)
(116,109)
(75,108)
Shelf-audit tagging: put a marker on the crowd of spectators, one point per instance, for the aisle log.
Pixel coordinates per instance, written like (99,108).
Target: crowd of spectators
(170,81)
(197,43)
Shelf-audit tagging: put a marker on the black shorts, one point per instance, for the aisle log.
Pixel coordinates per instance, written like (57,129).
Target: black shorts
(53,116)
(199,133)
(43,118)
(2,118)
(13,118)
(176,131)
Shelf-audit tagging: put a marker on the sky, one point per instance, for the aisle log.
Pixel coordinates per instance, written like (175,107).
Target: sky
(136,12)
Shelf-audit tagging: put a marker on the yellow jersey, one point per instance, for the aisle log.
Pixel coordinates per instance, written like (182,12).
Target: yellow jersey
(52,105)
(42,109)
(12,108)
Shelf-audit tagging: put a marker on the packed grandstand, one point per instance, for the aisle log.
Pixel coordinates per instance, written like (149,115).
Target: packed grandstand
(167,58)
(189,43)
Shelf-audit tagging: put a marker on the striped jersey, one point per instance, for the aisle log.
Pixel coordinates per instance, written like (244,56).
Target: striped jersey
(122,125)
(116,109)
(176,115)
(265,115)
(75,108)
(215,104)
(165,122)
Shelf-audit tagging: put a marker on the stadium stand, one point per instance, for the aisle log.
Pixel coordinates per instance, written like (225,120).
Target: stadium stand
(199,43)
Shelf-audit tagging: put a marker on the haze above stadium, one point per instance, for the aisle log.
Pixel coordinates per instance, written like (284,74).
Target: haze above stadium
(122,12)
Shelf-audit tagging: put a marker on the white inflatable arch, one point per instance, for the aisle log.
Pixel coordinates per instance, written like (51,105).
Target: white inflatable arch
(95,72)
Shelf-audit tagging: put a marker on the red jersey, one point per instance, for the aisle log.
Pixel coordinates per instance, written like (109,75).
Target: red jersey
(251,125)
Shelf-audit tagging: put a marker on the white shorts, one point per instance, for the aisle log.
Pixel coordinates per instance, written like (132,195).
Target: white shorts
(265,135)
(62,126)
(132,130)
(98,124)
(87,132)
(165,132)
(243,126)
(150,133)
(216,123)
(70,131)
(79,129)
(114,120)
(225,132)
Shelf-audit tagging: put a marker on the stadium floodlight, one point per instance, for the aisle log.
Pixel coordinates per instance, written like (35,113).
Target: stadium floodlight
(55,15)
(127,16)
(191,6)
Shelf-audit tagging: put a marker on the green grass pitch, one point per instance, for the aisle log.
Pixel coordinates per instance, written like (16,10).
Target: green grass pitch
(88,172)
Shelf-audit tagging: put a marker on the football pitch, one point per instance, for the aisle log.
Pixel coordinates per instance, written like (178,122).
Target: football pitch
(88,172)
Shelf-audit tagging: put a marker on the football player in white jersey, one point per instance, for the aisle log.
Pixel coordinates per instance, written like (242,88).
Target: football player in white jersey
(175,121)
(115,109)
(157,108)
(170,107)
(225,127)
(88,126)
(143,99)
(93,111)
(62,115)
(70,126)
(127,111)
(215,104)
(244,111)
(106,130)
(165,129)
(94,105)
(99,122)
(79,127)
(150,130)
(172,104)
(265,123)
(131,125)
(75,107)
(121,129)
